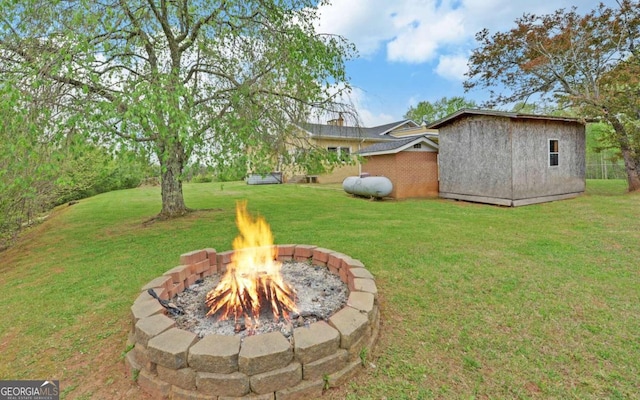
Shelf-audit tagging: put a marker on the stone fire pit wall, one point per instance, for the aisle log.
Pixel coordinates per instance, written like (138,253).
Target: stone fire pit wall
(169,362)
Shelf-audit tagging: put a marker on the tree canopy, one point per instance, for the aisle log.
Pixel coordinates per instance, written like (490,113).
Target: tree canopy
(588,62)
(181,79)
(430,112)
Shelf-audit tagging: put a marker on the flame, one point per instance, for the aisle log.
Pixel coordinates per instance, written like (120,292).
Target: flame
(253,277)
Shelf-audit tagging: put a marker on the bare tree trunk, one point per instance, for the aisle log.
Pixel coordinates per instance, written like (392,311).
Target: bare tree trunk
(172,164)
(631,167)
(630,164)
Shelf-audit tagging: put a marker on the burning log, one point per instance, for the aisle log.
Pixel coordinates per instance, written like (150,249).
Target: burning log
(240,299)
(253,278)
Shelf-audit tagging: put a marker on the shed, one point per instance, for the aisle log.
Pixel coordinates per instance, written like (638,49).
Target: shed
(411,164)
(509,158)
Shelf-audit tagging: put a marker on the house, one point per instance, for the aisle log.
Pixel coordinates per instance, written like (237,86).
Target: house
(509,158)
(410,162)
(347,141)
(485,156)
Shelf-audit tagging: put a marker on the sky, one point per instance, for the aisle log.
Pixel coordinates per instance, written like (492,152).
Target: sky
(417,50)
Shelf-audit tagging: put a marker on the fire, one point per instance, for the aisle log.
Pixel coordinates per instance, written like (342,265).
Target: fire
(253,277)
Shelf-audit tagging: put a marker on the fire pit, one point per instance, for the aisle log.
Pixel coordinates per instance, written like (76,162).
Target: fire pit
(170,362)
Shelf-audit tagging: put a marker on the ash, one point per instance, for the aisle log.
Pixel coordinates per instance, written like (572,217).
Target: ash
(319,294)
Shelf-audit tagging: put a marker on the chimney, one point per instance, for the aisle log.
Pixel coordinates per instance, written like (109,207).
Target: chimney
(336,122)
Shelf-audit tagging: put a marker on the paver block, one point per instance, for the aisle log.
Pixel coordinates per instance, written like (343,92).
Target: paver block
(315,342)
(142,357)
(178,274)
(364,285)
(262,353)
(321,256)
(146,308)
(185,394)
(153,385)
(352,263)
(234,384)
(184,377)
(305,390)
(176,288)
(351,324)
(253,396)
(344,276)
(286,250)
(216,354)
(161,292)
(303,252)
(212,270)
(341,377)
(361,343)
(131,365)
(278,379)
(200,267)
(159,282)
(328,365)
(224,257)
(362,301)
(359,273)
(191,279)
(193,257)
(213,262)
(335,261)
(152,326)
(171,347)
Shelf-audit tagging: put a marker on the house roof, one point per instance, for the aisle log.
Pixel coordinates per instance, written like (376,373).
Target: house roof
(395,146)
(471,111)
(353,132)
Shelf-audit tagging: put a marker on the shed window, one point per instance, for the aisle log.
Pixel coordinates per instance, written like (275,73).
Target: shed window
(553,152)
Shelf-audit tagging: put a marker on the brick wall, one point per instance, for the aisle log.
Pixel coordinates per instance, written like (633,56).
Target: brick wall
(413,173)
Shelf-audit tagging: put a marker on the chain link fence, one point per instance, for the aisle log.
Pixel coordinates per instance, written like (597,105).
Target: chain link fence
(601,167)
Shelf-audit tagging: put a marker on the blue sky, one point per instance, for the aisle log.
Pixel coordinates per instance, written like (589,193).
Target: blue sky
(416,50)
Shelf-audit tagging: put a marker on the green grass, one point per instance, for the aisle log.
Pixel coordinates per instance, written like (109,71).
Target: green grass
(477,301)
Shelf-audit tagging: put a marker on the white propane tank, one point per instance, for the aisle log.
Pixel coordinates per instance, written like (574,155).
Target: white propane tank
(369,186)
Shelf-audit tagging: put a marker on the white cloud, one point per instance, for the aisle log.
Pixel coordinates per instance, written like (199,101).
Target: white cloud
(452,67)
(416,31)
(363,22)
(419,40)
(409,30)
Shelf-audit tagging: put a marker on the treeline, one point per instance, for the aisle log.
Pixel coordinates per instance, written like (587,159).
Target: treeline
(39,170)
(36,176)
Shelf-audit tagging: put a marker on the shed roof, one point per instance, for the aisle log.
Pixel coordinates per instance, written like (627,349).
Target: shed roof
(395,146)
(352,132)
(505,114)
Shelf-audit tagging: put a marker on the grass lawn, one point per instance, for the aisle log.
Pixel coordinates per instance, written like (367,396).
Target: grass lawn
(477,301)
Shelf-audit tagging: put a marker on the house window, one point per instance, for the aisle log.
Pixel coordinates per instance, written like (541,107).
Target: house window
(553,152)
(417,146)
(342,152)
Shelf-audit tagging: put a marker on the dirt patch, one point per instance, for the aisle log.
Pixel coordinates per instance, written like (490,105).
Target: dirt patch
(101,374)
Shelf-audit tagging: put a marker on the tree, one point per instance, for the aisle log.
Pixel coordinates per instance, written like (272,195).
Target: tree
(27,167)
(588,62)
(178,77)
(430,112)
